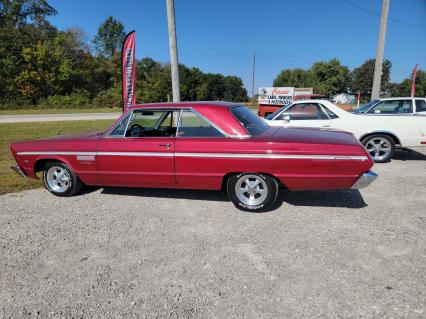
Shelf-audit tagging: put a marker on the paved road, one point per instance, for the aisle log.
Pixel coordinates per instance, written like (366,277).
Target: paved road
(189,254)
(57,117)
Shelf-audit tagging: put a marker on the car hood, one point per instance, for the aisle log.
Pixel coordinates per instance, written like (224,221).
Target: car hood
(310,136)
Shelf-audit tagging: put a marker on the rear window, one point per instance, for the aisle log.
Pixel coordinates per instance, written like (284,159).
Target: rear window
(253,124)
(420,106)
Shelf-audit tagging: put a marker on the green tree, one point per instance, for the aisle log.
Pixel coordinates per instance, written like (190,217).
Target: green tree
(295,78)
(405,86)
(362,77)
(331,77)
(234,90)
(110,36)
(23,23)
(18,13)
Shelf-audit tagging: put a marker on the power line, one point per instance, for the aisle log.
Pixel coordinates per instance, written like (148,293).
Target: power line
(378,15)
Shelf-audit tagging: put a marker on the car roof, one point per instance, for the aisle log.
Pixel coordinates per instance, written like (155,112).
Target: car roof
(397,98)
(220,104)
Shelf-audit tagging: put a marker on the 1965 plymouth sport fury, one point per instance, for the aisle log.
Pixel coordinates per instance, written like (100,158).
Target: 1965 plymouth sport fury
(198,145)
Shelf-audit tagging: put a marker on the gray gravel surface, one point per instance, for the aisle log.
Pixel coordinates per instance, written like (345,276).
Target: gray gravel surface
(125,253)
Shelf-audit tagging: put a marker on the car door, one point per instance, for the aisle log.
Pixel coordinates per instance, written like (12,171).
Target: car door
(305,115)
(139,150)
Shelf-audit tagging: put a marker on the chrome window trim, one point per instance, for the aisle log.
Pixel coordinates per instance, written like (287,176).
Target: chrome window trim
(181,110)
(316,103)
(285,108)
(142,109)
(208,122)
(324,108)
(107,134)
(248,135)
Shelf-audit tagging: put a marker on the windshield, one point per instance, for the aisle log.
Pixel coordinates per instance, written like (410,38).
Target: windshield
(253,124)
(365,107)
(271,116)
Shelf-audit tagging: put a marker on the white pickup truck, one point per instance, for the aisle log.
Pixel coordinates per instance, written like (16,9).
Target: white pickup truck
(380,134)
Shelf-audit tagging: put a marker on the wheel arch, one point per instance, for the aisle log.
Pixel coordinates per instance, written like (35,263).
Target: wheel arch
(382,132)
(227,175)
(40,162)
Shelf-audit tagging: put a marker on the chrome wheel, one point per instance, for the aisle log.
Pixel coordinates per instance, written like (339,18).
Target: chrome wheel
(379,148)
(58,179)
(251,189)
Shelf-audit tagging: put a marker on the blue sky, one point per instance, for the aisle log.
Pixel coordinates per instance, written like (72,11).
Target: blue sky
(219,36)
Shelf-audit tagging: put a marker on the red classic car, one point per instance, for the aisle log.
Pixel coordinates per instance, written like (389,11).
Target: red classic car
(198,145)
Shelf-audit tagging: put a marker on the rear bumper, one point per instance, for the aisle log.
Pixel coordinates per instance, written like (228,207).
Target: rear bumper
(18,170)
(364,180)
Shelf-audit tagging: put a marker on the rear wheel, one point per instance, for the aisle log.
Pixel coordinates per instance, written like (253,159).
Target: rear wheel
(252,192)
(380,147)
(60,180)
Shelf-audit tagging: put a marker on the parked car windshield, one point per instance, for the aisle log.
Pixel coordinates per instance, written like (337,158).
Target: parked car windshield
(253,124)
(365,107)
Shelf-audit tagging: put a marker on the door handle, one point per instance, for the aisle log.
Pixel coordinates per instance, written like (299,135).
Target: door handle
(165,145)
(326,126)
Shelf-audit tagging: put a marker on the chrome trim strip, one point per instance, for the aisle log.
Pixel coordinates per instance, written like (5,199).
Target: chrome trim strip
(98,153)
(272,156)
(206,155)
(142,154)
(57,153)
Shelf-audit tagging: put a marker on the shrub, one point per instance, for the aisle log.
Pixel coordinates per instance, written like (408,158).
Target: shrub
(77,99)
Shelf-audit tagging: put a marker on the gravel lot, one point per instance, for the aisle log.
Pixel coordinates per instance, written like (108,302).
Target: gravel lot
(169,254)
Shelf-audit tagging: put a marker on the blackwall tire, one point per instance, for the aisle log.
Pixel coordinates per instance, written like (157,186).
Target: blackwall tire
(60,180)
(252,192)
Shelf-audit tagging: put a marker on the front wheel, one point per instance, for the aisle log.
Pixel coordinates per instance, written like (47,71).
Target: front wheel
(380,147)
(60,180)
(252,192)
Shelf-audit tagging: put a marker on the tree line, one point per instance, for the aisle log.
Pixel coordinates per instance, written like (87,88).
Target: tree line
(46,67)
(331,77)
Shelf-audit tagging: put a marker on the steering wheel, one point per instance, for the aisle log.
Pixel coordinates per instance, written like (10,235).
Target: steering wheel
(137,130)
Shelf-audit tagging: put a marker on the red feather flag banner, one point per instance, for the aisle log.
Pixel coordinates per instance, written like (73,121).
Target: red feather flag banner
(128,70)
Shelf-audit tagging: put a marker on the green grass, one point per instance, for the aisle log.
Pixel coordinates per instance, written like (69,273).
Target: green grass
(9,180)
(59,111)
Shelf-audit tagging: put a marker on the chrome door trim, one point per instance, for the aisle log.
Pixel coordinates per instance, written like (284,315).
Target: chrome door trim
(208,155)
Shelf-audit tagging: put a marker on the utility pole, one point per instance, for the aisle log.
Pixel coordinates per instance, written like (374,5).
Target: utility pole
(375,92)
(173,50)
(252,80)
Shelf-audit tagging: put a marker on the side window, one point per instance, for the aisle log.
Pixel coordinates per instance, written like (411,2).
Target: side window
(304,111)
(191,125)
(152,123)
(420,106)
(120,127)
(393,107)
(330,114)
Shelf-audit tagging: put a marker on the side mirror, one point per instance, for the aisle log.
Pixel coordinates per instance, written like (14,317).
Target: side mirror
(286,118)
(377,112)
